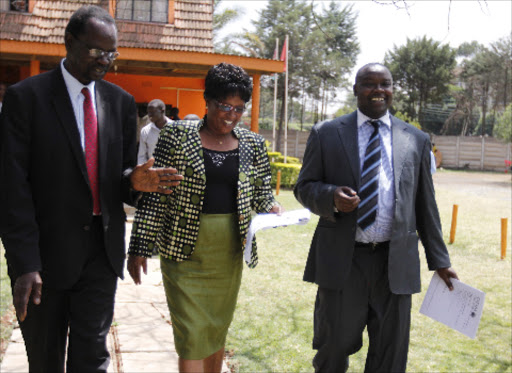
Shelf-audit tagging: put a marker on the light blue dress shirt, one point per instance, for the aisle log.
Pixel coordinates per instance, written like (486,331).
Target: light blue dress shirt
(379,231)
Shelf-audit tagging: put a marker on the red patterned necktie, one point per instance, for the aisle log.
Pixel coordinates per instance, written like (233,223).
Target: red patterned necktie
(91,149)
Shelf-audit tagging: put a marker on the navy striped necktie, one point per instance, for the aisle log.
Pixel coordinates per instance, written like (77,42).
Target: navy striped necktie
(369,189)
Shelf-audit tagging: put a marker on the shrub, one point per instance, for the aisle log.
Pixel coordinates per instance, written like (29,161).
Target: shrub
(289,173)
(406,118)
(279,158)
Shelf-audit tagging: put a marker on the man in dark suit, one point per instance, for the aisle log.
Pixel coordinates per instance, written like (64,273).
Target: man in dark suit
(373,204)
(66,163)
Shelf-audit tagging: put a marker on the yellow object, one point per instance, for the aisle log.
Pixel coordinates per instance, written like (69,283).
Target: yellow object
(454,223)
(504,224)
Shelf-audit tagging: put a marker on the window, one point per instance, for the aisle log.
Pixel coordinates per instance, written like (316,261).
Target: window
(14,5)
(142,10)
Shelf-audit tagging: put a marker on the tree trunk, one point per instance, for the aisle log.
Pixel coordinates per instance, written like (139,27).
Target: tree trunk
(303,109)
(322,98)
(506,88)
(485,95)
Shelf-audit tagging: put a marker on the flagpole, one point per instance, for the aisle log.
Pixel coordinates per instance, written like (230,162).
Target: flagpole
(286,103)
(276,51)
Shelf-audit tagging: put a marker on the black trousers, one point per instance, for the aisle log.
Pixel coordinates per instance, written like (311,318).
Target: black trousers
(81,315)
(365,301)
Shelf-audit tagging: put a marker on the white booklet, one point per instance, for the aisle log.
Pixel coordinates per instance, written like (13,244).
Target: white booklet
(265,221)
(459,309)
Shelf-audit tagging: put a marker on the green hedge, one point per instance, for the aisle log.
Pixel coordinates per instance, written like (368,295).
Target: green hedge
(289,174)
(279,158)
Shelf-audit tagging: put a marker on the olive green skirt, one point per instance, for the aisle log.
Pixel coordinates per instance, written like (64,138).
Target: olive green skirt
(202,291)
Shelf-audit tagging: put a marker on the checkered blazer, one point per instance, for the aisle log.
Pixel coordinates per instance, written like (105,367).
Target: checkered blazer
(171,222)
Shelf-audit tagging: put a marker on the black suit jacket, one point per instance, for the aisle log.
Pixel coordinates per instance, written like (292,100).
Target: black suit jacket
(331,159)
(46,202)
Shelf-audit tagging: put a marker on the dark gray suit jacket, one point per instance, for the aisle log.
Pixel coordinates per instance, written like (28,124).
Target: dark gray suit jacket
(331,159)
(46,202)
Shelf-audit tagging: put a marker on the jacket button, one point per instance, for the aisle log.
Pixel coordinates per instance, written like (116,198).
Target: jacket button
(87,228)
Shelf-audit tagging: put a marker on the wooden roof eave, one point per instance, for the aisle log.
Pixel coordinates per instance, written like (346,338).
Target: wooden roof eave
(147,61)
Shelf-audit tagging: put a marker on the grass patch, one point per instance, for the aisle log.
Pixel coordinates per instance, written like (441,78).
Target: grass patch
(273,324)
(6,308)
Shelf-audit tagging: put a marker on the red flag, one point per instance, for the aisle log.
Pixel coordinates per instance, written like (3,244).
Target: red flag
(283,55)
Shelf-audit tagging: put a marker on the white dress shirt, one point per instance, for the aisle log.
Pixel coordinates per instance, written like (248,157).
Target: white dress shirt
(380,230)
(77,99)
(148,139)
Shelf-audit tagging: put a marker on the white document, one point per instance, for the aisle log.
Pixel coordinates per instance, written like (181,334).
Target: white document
(460,309)
(265,221)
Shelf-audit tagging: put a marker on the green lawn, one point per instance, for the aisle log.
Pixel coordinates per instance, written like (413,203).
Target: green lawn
(272,328)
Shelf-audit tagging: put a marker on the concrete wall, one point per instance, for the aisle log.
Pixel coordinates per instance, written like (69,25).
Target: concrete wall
(475,153)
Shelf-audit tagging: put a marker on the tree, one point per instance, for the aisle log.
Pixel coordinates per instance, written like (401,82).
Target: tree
(422,72)
(483,78)
(220,20)
(322,48)
(503,127)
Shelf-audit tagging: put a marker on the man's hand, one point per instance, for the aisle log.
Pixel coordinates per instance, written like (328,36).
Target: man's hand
(26,285)
(134,265)
(446,274)
(346,199)
(144,178)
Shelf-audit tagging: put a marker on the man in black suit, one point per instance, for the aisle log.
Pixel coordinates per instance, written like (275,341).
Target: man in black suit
(373,204)
(66,164)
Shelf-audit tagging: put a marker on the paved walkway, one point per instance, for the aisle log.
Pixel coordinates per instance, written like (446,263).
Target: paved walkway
(140,339)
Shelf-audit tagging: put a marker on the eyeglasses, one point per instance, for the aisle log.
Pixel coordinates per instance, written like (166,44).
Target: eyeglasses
(99,53)
(228,108)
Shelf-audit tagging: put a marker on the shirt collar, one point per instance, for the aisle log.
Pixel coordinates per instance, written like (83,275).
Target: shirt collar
(73,85)
(362,119)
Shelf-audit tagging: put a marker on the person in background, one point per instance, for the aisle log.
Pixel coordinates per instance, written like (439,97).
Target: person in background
(67,164)
(191,117)
(142,121)
(433,166)
(174,113)
(200,229)
(3,88)
(367,175)
(149,133)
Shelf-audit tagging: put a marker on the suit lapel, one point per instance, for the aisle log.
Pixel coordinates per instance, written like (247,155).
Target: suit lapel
(103,115)
(246,153)
(66,117)
(347,132)
(400,140)
(191,142)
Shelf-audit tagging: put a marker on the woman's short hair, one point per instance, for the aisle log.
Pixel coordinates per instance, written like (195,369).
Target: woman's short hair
(224,80)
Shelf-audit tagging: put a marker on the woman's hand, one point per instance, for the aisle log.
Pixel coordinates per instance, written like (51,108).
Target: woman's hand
(277,209)
(134,265)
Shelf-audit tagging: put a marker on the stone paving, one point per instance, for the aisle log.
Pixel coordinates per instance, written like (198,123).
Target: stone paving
(141,338)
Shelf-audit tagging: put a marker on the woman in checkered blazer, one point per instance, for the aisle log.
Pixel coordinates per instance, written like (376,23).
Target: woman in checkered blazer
(200,229)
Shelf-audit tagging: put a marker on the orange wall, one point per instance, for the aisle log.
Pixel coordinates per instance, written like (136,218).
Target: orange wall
(184,93)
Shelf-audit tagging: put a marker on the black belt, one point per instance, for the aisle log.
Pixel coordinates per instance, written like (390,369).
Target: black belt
(373,245)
